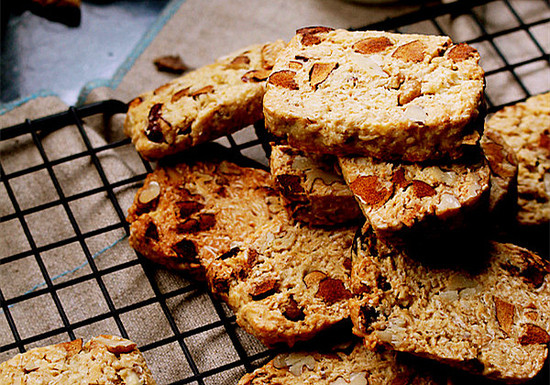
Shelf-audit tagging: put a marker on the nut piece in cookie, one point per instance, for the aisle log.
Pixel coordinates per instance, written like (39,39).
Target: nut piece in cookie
(312,187)
(289,282)
(104,359)
(203,104)
(489,316)
(386,95)
(187,214)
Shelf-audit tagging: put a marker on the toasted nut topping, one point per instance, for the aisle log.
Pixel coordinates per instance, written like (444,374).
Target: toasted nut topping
(313,30)
(280,361)
(416,113)
(293,311)
(461,52)
(149,193)
(264,288)
(372,45)
(410,90)
(505,314)
(413,51)
(241,61)
(270,52)
(187,208)
(155,121)
(256,76)
(71,347)
(284,79)
(297,361)
(180,94)
(135,102)
(319,73)
(370,191)
(185,249)
(116,346)
(310,34)
(151,232)
(203,90)
(162,88)
(502,160)
(422,189)
(332,290)
(398,178)
(533,334)
(314,278)
(290,185)
(295,65)
(358,378)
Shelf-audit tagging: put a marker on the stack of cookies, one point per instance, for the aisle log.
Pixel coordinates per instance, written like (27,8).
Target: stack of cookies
(382,205)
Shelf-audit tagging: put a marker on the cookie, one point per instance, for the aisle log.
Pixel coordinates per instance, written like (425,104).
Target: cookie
(502,161)
(386,95)
(288,283)
(102,360)
(525,127)
(343,365)
(488,313)
(203,104)
(312,187)
(189,213)
(403,197)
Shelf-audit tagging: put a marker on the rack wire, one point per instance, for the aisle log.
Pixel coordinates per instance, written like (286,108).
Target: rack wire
(518,46)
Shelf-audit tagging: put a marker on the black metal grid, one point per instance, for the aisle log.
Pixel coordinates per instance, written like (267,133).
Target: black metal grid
(430,19)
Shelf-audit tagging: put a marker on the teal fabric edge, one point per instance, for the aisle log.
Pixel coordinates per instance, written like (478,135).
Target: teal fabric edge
(6,107)
(143,43)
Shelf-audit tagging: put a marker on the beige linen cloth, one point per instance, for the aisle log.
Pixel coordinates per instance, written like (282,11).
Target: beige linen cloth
(112,291)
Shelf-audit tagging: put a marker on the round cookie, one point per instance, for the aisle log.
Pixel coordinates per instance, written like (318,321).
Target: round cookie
(386,95)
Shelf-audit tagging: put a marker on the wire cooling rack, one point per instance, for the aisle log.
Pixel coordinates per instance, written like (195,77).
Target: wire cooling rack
(514,46)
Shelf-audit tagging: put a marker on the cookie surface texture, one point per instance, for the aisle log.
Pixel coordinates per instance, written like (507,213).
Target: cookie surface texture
(390,96)
(187,214)
(103,360)
(352,365)
(203,104)
(525,127)
(396,197)
(492,318)
(312,187)
(289,283)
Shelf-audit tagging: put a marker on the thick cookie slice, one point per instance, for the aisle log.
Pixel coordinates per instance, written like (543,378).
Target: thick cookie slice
(103,360)
(390,96)
(525,127)
(289,283)
(343,365)
(202,105)
(490,315)
(398,197)
(312,187)
(189,213)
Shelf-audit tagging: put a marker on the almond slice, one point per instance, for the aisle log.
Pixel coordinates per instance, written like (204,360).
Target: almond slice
(151,192)
(319,73)
(284,78)
(372,45)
